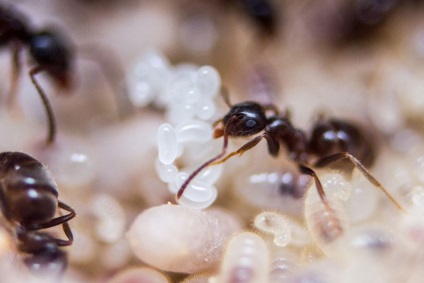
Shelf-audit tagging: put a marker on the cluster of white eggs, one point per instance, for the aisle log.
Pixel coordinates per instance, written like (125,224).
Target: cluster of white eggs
(186,93)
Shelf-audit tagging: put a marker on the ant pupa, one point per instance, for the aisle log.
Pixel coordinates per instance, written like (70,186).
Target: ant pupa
(331,140)
(29,200)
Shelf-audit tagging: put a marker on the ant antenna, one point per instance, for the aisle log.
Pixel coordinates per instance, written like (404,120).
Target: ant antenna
(207,163)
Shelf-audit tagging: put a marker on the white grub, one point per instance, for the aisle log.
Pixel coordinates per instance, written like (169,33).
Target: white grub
(110,217)
(246,260)
(139,275)
(284,264)
(364,199)
(199,278)
(326,221)
(322,271)
(372,252)
(179,239)
(270,185)
(286,230)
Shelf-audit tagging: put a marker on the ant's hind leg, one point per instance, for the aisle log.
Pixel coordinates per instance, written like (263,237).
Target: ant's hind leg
(308,171)
(49,111)
(338,156)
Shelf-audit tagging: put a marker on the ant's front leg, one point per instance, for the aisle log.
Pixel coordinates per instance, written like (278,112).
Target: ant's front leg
(49,111)
(247,146)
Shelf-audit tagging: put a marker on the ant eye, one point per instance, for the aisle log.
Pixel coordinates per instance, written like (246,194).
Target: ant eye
(250,123)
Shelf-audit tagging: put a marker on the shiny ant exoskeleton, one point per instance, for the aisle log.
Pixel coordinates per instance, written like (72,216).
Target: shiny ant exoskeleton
(49,50)
(331,140)
(29,200)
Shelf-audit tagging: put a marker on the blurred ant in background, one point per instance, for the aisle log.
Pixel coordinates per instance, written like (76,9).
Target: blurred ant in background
(29,200)
(51,52)
(331,140)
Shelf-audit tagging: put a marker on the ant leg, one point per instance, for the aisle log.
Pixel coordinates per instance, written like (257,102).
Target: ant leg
(308,171)
(204,165)
(247,146)
(16,70)
(335,157)
(207,163)
(49,111)
(57,221)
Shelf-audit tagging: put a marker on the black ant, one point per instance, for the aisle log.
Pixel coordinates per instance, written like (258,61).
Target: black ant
(50,51)
(29,200)
(331,140)
(262,13)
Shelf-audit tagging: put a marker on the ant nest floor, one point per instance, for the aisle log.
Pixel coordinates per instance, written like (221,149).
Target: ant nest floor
(213,142)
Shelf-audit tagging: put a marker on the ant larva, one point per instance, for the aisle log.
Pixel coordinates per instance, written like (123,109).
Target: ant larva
(331,140)
(29,200)
(49,50)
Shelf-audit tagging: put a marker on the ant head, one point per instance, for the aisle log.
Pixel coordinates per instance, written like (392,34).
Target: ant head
(52,53)
(245,119)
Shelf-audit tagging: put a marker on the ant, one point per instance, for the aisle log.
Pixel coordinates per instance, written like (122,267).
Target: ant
(29,200)
(262,13)
(331,140)
(49,50)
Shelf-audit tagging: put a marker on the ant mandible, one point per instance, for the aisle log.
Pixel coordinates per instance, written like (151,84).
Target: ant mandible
(29,200)
(331,140)
(50,51)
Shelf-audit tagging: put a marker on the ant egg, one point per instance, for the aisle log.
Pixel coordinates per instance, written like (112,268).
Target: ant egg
(180,239)
(193,131)
(246,259)
(284,229)
(167,172)
(206,109)
(208,81)
(180,113)
(146,79)
(167,144)
(198,194)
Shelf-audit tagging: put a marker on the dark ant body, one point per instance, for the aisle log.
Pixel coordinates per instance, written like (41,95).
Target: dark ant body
(262,13)
(331,140)
(29,200)
(48,49)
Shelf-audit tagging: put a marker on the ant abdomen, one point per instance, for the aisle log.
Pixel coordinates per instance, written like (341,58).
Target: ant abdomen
(334,136)
(29,191)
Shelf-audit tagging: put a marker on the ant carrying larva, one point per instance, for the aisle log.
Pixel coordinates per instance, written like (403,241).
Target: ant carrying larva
(331,140)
